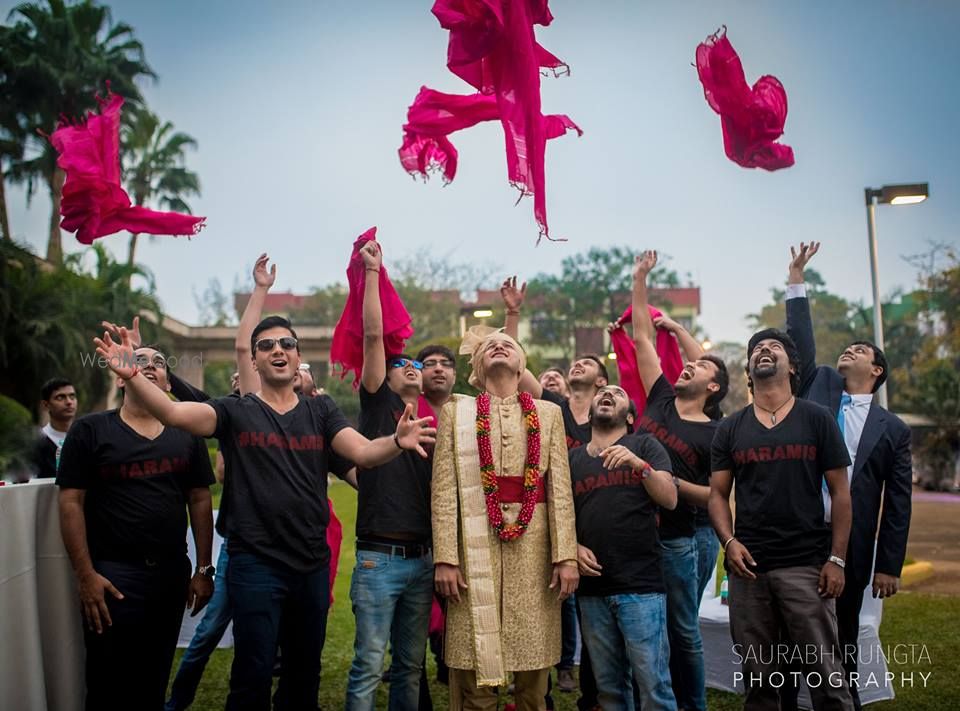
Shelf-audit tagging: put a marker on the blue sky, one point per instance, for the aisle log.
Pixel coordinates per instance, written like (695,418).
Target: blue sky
(297,108)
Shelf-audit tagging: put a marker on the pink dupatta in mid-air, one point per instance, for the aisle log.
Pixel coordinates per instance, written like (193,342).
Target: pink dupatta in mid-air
(493,48)
(93,203)
(752,117)
(671,363)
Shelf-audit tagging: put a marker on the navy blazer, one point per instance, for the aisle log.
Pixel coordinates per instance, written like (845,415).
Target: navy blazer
(882,469)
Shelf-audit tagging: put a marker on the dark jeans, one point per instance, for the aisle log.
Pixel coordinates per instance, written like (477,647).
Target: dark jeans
(271,605)
(128,665)
(569,633)
(785,603)
(216,619)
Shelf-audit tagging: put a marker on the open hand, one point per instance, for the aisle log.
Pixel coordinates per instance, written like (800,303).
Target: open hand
(261,276)
(644,264)
(798,260)
(414,433)
(114,330)
(119,356)
(93,589)
(512,296)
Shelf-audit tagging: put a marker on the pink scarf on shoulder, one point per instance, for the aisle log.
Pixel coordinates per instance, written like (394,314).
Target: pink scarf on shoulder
(671,363)
(492,47)
(752,118)
(93,203)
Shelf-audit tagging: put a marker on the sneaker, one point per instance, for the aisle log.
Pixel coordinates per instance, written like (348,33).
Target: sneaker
(566,681)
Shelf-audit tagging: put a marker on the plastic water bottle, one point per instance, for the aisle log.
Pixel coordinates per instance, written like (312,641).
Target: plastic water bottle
(724,591)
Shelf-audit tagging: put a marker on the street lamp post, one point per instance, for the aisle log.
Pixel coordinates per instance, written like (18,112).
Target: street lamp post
(891,195)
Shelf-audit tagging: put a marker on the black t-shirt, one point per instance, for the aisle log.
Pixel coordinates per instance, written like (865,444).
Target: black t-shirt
(394,497)
(44,457)
(136,488)
(778,476)
(616,519)
(577,434)
(275,493)
(688,444)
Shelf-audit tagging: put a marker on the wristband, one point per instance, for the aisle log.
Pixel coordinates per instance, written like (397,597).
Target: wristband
(727,543)
(396,441)
(645,469)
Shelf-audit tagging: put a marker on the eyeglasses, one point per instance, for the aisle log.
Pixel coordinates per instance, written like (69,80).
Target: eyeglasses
(404,362)
(287,343)
(433,363)
(158,361)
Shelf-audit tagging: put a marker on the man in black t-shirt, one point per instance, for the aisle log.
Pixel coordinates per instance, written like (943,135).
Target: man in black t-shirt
(392,585)
(274,510)
(126,482)
(618,481)
(786,564)
(677,417)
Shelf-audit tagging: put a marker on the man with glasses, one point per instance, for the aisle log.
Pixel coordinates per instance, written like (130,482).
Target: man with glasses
(392,585)
(276,445)
(126,481)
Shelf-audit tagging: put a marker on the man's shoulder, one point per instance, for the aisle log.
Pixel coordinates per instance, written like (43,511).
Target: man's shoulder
(547,407)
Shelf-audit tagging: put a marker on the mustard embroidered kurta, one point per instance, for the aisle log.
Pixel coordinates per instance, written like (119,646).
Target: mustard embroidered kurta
(524,611)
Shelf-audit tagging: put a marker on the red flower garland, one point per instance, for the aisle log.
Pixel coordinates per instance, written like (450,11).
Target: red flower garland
(531,469)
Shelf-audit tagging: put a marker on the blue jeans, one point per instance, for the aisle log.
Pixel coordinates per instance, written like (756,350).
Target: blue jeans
(679,556)
(209,632)
(271,605)
(391,599)
(568,633)
(628,633)
(708,548)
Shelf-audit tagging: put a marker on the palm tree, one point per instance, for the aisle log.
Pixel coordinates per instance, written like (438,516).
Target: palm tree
(153,165)
(60,55)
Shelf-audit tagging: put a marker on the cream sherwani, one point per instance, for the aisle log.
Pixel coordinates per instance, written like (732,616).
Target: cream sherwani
(508,618)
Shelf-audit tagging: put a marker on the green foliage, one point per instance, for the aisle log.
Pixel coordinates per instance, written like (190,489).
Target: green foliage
(48,317)
(323,306)
(17,435)
(216,378)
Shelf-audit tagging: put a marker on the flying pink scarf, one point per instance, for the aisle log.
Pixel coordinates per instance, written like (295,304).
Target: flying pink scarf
(752,118)
(667,350)
(347,346)
(93,203)
(492,47)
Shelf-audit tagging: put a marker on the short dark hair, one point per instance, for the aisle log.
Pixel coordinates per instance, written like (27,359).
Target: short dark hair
(436,349)
(632,410)
(553,369)
(793,354)
(711,408)
(599,361)
(52,386)
(268,323)
(878,359)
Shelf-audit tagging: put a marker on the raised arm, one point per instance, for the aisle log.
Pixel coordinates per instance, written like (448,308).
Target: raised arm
(799,322)
(263,280)
(374,358)
(197,418)
(692,350)
(512,302)
(648,362)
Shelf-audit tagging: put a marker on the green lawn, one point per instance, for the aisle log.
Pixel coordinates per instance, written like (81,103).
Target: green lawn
(909,619)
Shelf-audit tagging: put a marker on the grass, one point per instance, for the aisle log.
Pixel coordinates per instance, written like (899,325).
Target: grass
(908,619)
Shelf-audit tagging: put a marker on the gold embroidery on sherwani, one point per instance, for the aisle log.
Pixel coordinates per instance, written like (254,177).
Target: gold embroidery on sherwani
(529,612)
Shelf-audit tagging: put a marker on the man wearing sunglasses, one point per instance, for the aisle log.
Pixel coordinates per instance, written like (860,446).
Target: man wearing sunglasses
(126,481)
(274,514)
(392,585)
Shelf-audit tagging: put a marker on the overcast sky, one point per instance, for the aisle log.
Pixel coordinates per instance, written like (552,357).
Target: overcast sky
(297,108)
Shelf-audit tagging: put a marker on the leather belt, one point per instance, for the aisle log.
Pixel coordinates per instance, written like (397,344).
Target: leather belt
(406,551)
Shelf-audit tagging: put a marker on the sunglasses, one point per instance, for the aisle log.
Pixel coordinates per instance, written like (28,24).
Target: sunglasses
(287,343)
(433,363)
(404,362)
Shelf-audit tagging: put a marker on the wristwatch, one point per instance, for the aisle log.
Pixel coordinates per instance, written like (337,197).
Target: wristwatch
(837,560)
(207,571)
